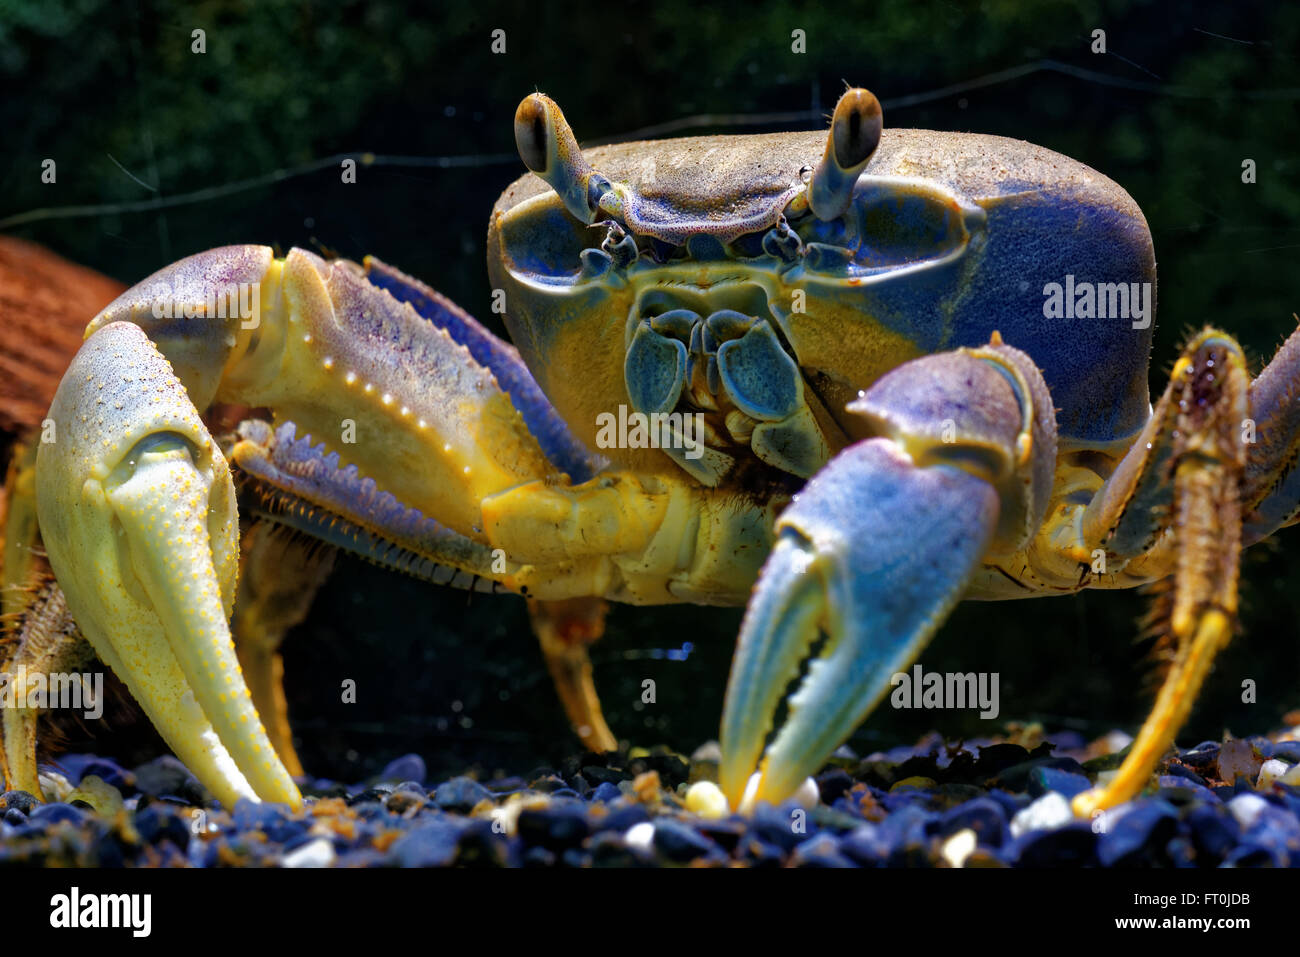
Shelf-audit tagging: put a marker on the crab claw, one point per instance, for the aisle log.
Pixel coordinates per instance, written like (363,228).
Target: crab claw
(138,513)
(878,547)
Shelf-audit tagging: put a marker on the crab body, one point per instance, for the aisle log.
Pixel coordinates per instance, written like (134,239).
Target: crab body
(861,412)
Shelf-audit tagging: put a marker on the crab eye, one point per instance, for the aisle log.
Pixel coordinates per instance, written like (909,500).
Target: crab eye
(854,136)
(855,128)
(530,132)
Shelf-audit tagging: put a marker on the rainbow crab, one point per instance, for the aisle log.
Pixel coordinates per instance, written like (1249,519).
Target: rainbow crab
(847,408)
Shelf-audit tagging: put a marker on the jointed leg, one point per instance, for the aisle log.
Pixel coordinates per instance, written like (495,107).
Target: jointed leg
(1184,475)
(565,629)
(280,575)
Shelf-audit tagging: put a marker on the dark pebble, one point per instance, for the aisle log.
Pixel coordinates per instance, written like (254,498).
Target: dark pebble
(1011,803)
(760,853)
(460,795)
(605,793)
(403,800)
(907,828)
(1067,783)
(548,783)
(1214,831)
(1139,834)
(1179,771)
(833,785)
(538,856)
(822,851)
(15,817)
(620,819)
(609,850)
(273,820)
(368,796)
(1251,855)
(19,800)
(785,826)
(159,823)
(480,846)
(986,817)
(998,757)
(865,846)
(506,785)
(679,842)
(1074,845)
(1288,751)
(1203,757)
(409,767)
(167,776)
(599,776)
(555,827)
(55,812)
(431,844)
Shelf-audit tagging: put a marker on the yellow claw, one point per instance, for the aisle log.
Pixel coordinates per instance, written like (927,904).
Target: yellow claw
(137,510)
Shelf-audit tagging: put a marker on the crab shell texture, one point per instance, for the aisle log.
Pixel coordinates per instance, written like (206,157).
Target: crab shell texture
(949,237)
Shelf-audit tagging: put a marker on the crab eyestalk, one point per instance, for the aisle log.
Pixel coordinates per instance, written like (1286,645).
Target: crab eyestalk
(853,137)
(547,146)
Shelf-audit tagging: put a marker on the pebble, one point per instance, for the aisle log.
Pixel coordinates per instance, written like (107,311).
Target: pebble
(1270,771)
(460,795)
(18,800)
(409,767)
(431,844)
(1050,811)
(707,800)
(679,842)
(1149,825)
(820,851)
(980,804)
(315,853)
(640,837)
(554,827)
(960,846)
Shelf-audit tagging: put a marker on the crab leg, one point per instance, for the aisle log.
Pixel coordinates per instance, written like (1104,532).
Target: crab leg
(137,512)
(1185,474)
(879,546)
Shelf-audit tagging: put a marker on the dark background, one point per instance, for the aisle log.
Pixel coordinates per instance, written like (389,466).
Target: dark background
(179,152)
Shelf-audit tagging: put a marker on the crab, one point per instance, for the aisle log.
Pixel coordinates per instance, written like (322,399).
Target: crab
(815,373)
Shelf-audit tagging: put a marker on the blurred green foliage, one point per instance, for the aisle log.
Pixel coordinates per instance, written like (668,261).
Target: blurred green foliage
(113,92)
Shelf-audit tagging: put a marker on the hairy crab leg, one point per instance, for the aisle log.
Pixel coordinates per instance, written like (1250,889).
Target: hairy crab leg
(1175,506)
(878,547)
(39,635)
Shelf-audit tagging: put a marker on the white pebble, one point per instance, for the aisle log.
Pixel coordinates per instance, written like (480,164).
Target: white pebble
(1270,771)
(317,853)
(1117,741)
(640,837)
(1246,808)
(1048,813)
(807,796)
(707,800)
(957,848)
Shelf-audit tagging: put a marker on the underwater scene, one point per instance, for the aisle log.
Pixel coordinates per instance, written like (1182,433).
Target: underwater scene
(672,435)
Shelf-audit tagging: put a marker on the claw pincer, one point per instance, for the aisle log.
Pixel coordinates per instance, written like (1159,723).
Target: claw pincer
(878,547)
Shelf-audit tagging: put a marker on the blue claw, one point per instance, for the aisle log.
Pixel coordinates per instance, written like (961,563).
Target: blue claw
(876,550)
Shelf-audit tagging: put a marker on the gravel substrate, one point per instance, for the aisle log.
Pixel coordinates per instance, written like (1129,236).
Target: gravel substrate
(988,803)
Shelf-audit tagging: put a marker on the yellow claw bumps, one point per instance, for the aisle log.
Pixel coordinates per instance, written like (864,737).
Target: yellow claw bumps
(137,511)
